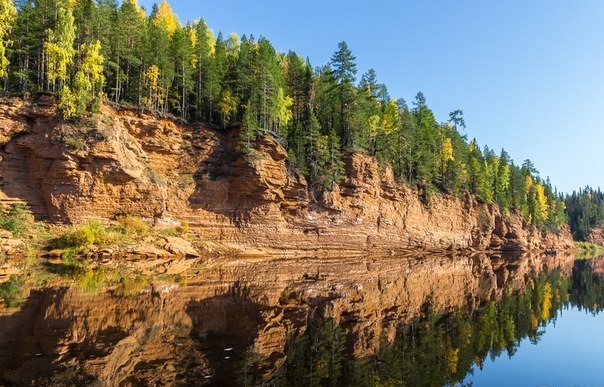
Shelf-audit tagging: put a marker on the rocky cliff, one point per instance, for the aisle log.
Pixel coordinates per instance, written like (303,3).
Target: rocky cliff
(127,162)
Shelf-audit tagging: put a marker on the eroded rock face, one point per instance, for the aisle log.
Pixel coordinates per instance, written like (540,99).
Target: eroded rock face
(200,333)
(596,236)
(68,172)
(127,162)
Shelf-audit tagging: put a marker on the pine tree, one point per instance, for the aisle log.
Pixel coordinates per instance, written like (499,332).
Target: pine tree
(369,84)
(206,81)
(343,70)
(424,145)
(128,53)
(183,45)
(163,25)
(457,119)
(299,79)
(85,15)
(106,31)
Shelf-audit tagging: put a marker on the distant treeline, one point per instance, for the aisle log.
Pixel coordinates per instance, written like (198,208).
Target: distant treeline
(585,211)
(86,51)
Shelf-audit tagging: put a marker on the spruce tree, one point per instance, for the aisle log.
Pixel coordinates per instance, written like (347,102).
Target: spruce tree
(344,69)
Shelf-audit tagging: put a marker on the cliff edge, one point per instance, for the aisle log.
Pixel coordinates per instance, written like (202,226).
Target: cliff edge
(124,161)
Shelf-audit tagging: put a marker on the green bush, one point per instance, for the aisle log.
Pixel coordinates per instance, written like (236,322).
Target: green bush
(91,281)
(90,233)
(76,143)
(13,291)
(589,250)
(133,225)
(16,219)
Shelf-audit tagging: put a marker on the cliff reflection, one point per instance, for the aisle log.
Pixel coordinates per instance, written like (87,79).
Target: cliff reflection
(296,321)
(435,348)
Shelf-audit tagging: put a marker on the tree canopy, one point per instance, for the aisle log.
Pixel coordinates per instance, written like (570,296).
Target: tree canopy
(89,50)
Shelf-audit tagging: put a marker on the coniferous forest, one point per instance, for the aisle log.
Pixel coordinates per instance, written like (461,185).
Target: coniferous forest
(585,211)
(87,52)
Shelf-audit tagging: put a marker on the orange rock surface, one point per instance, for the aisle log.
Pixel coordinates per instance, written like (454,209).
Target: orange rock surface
(127,162)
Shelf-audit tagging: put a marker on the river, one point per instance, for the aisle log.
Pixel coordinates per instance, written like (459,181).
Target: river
(402,319)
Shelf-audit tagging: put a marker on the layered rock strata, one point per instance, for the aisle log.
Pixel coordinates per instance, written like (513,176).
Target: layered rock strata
(128,162)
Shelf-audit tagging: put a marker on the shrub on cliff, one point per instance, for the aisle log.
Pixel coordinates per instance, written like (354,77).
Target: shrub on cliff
(15,219)
(132,225)
(12,292)
(91,233)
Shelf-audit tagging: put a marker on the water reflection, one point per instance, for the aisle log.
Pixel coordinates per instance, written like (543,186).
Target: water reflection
(411,320)
(434,349)
(438,349)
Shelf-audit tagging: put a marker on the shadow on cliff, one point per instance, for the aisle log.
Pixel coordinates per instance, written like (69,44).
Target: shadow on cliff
(29,340)
(227,182)
(22,173)
(224,329)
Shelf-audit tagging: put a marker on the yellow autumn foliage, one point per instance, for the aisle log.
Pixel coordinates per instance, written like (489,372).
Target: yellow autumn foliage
(447,150)
(546,308)
(8,15)
(541,199)
(165,18)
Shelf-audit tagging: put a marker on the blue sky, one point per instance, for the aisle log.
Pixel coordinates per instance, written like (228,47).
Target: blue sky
(527,74)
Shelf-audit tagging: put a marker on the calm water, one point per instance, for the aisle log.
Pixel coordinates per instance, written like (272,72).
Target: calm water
(430,320)
(568,353)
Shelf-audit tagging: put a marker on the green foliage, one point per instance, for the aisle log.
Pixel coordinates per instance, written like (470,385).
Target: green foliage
(91,233)
(68,103)
(12,291)
(588,287)
(8,16)
(133,225)
(438,348)
(16,219)
(585,211)
(317,358)
(89,50)
(589,250)
(76,143)
(129,286)
(91,280)
(59,48)
(155,177)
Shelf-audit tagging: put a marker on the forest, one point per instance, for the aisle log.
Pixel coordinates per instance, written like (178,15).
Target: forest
(585,211)
(88,52)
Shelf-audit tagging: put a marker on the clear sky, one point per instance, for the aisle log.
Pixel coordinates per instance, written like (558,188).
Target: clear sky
(527,74)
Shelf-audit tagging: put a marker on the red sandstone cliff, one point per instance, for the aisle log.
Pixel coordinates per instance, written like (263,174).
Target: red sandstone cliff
(126,162)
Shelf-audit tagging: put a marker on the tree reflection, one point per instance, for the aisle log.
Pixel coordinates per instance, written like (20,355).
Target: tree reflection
(588,286)
(438,349)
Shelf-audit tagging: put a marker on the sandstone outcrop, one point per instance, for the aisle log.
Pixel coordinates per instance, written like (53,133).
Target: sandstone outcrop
(127,162)
(596,236)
